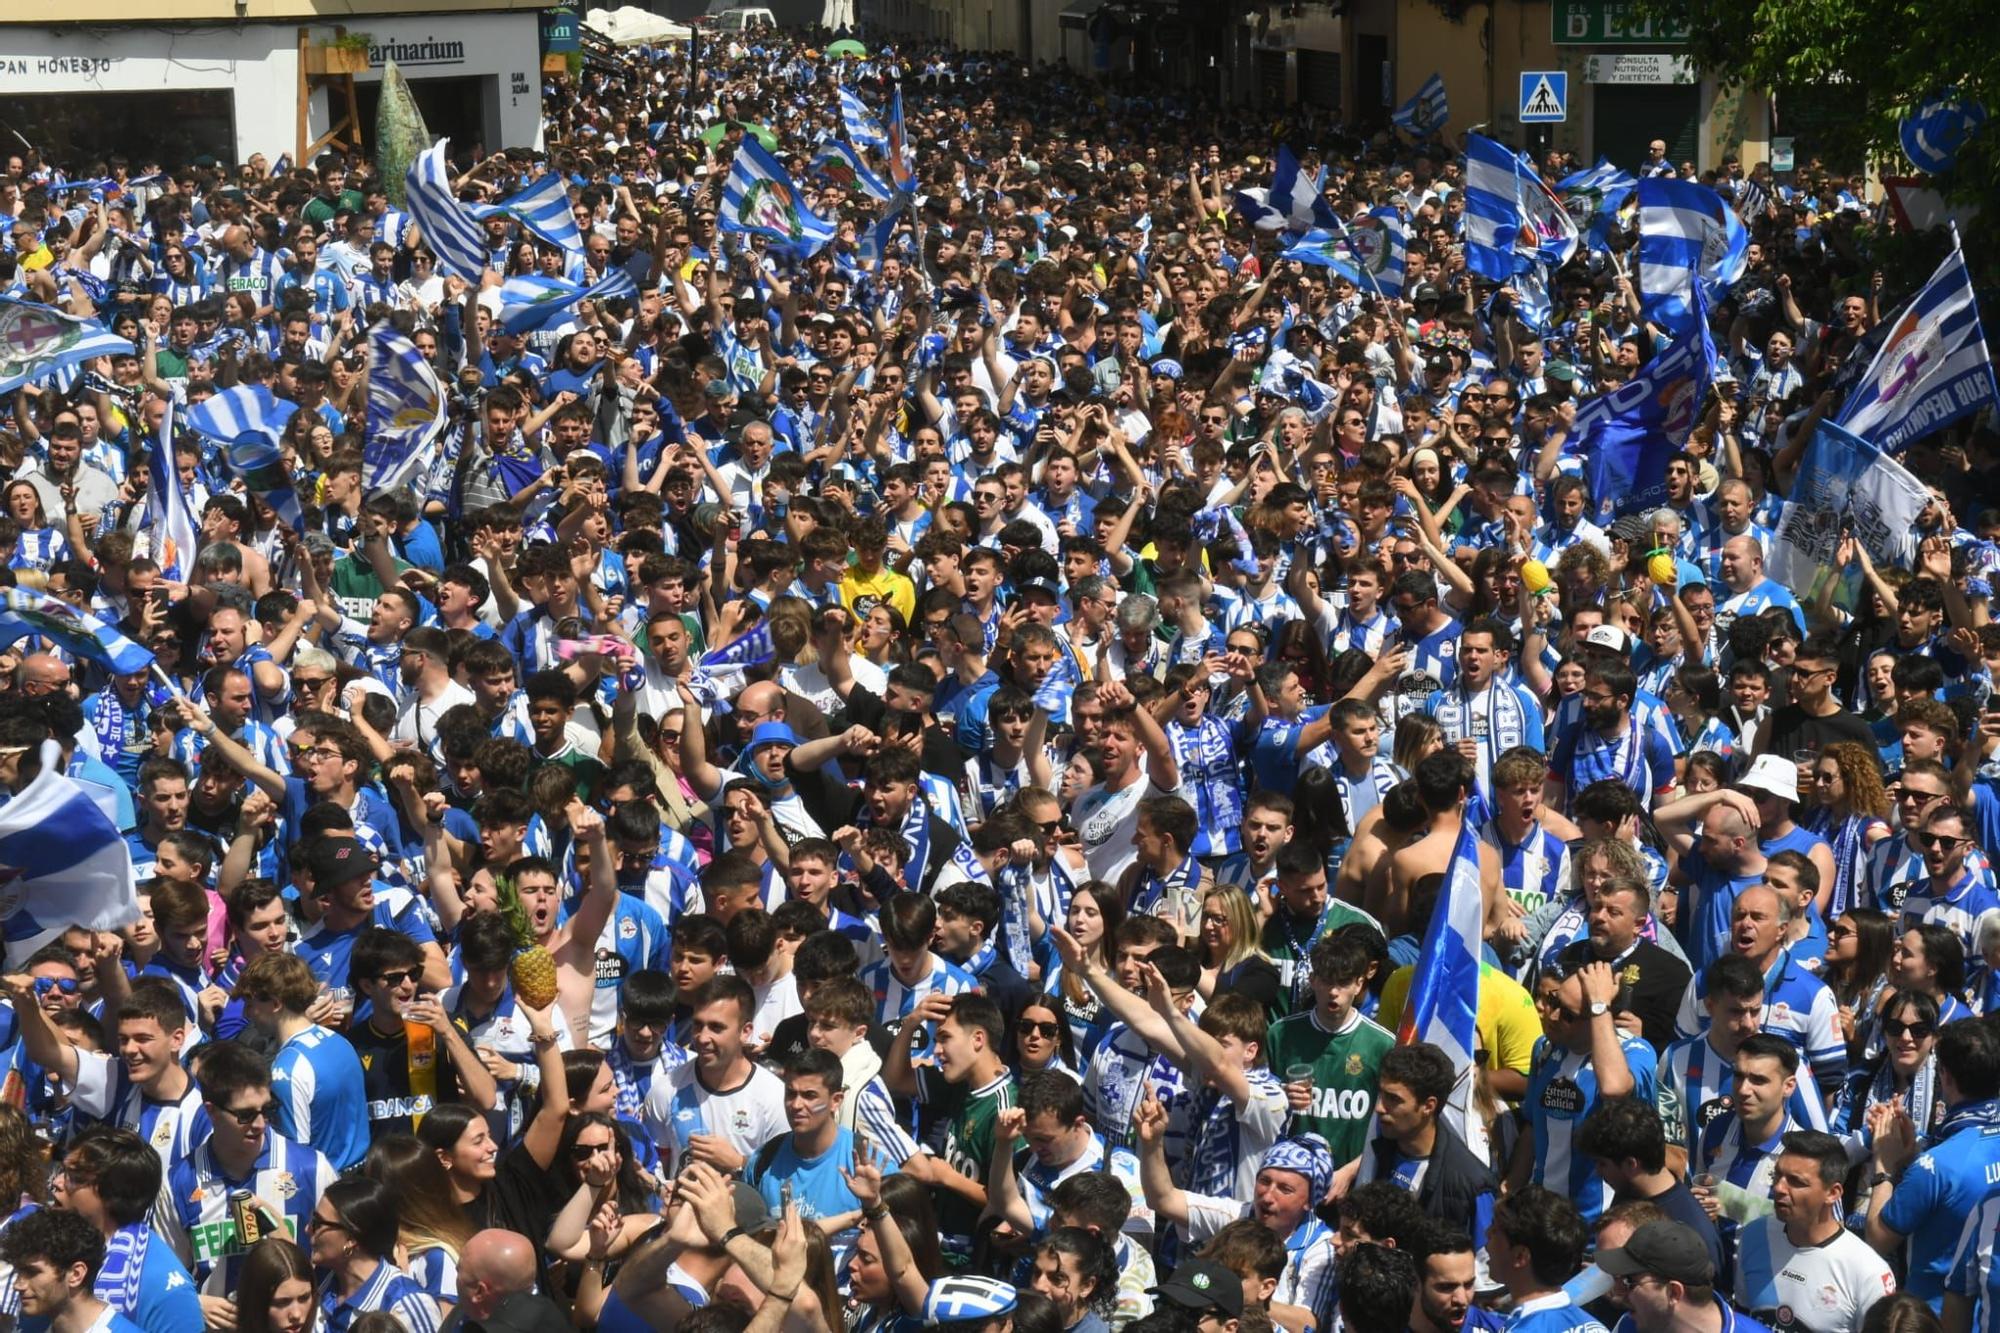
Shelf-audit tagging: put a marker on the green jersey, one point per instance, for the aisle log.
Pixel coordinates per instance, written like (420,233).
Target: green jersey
(1289,944)
(968,1149)
(1343,1064)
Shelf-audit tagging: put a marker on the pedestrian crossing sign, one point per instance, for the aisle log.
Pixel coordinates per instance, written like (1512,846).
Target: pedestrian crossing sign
(1544,96)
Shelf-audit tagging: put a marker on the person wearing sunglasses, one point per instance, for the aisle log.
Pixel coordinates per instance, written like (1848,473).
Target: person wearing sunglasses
(400,1036)
(351,1235)
(1952,895)
(1907,1071)
(212,1225)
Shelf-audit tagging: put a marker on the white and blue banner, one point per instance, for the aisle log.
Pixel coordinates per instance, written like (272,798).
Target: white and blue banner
(1845,485)
(1931,367)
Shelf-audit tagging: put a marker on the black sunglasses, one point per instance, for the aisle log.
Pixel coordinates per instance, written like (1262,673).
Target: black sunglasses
(1897,1028)
(397,978)
(1028,1027)
(583,1152)
(247,1115)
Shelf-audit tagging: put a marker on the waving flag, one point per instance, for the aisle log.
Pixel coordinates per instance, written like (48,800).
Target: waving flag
(1593,197)
(841,164)
(1625,435)
(25,611)
(63,861)
(1378,243)
(759,198)
(902,172)
(752,649)
(863,130)
(169,521)
(1845,484)
(1254,207)
(1931,367)
(543,208)
(1494,224)
(38,340)
(406,409)
(1545,216)
(1326,250)
(871,243)
(1444,990)
(1052,696)
(247,420)
(1687,233)
(1297,195)
(1427,111)
(530,302)
(450,229)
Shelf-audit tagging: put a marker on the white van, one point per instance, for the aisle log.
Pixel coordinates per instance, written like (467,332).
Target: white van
(748,18)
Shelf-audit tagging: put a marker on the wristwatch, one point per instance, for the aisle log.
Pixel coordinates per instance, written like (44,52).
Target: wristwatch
(1599,1008)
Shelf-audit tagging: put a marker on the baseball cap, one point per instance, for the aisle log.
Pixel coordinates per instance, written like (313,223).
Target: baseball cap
(1669,1250)
(1426,292)
(1203,1284)
(337,858)
(1774,775)
(753,1213)
(1608,636)
(772,733)
(951,1300)
(1042,586)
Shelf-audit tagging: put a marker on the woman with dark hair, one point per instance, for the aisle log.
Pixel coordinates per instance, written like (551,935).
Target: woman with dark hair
(1858,944)
(275,1292)
(1694,693)
(1299,647)
(610,1209)
(1095,913)
(432,1229)
(352,1234)
(896,1254)
(517,1192)
(1042,1038)
(1929,957)
(1078,1271)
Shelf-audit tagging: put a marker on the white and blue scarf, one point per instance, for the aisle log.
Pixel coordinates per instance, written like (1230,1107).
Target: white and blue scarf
(117,1282)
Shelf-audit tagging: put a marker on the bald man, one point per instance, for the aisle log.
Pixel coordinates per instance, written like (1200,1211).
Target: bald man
(1749,591)
(495,1267)
(1716,866)
(41,674)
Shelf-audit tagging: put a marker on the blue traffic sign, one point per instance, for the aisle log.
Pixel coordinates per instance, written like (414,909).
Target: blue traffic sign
(1544,96)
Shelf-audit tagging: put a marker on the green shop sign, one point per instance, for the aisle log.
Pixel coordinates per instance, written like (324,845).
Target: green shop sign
(1611,23)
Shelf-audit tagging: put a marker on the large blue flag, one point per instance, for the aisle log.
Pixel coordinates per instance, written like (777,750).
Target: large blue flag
(760,198)
(247,420)
(406,410)
(529,301)
(1443,1004)
(1494,224)
(1626,435)
(1688,235)
(863,130)
(1427,111)
(64,863)
(451,232)
(169,520)
(38,340)
(24,611)
(1593,197)
(1931,366)
(902,166)
(842,164)
(543,208)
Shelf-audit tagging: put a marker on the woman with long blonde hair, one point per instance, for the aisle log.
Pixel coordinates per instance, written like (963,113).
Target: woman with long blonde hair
(1231,957)
(431,1229)
(1851,811)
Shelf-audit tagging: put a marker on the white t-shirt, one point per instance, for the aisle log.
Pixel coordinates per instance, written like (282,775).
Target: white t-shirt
(776,1002)
(748,1115)
(1819,1289)
(419,720)
(1106,820)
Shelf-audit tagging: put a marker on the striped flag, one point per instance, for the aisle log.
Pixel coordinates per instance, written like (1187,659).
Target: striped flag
(169,521)
(246,421)
(1931,367)
(543,208)
(1687,233)
(38,340)
(1625,435)
(25,611)
(1378,244)
(871,243)
(529,302)
(406,409)
(450,230)
(759,198)
(1845,485)
(1427,111)
(1494,224)
(1052,696)
(752,649)
(1443,1007)
(841,164)
(67,864)
(863,130)
(1593,197)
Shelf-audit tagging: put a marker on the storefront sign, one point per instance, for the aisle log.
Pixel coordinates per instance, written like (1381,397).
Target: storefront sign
(425,52)
(1638,69)
(559,30)
(1611,23)
(81,67)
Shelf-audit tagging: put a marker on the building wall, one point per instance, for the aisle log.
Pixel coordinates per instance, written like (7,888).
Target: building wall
(258,64)
(44,13)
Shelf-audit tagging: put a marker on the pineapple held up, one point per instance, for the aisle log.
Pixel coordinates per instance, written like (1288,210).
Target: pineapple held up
(534,968)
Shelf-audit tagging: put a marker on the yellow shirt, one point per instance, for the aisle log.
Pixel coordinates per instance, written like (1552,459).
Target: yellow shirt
(1507,1023)
(859,591)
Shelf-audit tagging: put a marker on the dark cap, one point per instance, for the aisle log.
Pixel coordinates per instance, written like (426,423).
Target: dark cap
(1668,1250)
(753,1212)
(337,858)
(1425,291)
(521,1312)
(1203,1284)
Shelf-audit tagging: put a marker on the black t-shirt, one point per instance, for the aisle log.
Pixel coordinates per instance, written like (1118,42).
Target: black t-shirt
(1790,730)
(402,1084)
(1651,982)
